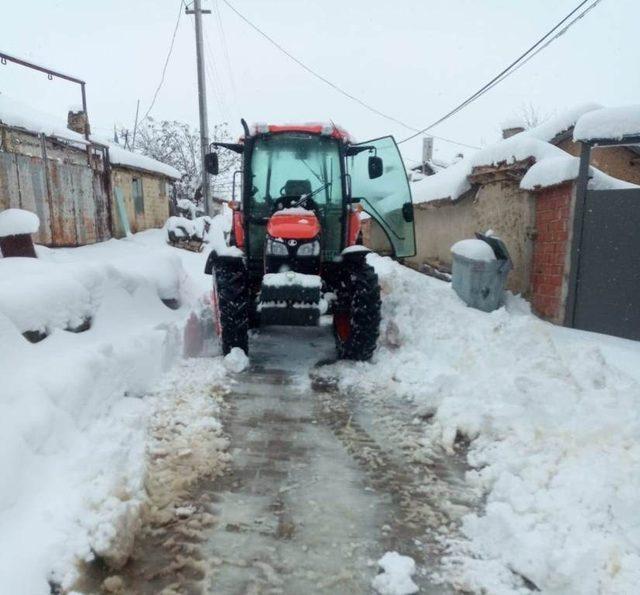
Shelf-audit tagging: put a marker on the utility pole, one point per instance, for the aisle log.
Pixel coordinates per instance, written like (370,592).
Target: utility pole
(202,101)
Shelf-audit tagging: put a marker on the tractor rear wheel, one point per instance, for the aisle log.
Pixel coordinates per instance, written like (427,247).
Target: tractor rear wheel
(231,305)
(356,321)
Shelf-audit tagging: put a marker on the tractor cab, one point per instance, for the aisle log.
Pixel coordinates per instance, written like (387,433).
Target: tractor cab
(296,224)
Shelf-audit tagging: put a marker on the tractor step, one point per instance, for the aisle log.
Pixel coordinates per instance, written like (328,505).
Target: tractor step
(289,314)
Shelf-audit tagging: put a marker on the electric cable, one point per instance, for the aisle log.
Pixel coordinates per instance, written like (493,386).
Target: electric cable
(333,85)
(514,66)
(166,64)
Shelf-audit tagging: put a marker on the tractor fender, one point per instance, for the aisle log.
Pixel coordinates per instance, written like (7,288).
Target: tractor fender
(231,255)
(355,253)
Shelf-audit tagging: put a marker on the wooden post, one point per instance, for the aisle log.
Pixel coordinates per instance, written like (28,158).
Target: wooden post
(18,245)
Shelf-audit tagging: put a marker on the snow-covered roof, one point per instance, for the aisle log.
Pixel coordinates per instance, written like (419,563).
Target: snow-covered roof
(609,122)
(556,125)
(553,165)
(20,115)
(120,156)
(564,168)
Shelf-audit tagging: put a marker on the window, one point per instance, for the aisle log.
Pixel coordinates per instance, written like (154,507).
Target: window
(138,197)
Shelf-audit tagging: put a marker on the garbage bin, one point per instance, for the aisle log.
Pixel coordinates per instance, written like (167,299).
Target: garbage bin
(480,270)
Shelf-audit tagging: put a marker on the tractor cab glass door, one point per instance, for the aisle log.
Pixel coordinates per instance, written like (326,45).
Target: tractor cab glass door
(387,198)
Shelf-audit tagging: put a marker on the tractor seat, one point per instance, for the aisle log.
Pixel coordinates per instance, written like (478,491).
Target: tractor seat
(297,187)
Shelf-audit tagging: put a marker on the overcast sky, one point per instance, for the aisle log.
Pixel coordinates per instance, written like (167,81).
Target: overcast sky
(414,60)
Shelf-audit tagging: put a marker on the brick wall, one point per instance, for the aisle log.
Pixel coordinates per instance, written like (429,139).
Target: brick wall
(550,251)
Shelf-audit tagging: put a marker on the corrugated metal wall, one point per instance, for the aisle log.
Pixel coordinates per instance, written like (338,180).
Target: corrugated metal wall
(71,200)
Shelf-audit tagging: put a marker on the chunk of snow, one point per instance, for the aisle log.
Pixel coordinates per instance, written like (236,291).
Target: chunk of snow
(291,278)
(608,122)
(474,249)
(15,222)
(236,360)
(395,578)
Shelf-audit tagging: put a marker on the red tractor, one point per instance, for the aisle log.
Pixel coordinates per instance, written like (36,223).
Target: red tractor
(295,246)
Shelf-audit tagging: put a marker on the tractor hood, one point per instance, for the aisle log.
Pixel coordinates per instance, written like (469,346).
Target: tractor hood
(293,224)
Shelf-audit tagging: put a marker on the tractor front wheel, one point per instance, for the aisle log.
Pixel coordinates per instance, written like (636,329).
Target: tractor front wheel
(356,319)
(231,305)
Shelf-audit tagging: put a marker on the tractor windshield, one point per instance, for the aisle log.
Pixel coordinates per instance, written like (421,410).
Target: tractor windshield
(291,165)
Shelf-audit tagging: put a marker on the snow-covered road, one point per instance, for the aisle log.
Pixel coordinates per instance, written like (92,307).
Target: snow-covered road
(319,486)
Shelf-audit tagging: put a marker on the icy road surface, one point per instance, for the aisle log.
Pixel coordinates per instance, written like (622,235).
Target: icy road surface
(311,501)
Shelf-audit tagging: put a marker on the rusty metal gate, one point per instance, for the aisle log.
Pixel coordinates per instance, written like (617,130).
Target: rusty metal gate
(607,272)
(71,200)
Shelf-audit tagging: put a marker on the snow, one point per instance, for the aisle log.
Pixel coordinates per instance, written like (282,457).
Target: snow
(236,360)
(76,408)
(556,170)
(291,278)
(449,183)
(15,222)
(452,182)
(295,211)
(609,122)
(120,156)
(396,576)
(555,125)
(20,115)
(553,419)
(181,227)
(474,250)
(187,205)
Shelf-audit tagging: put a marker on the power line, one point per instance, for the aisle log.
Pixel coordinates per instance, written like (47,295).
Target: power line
(515,65)
(216,81)
(166,63)
(334,86)
(225,47)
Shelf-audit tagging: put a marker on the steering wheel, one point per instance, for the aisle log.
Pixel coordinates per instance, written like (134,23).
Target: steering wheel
(289,201)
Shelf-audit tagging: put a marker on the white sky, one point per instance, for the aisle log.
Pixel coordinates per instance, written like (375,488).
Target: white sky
(412,59)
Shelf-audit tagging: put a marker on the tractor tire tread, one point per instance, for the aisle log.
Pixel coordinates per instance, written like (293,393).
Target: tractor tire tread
(360,296)
(233,302)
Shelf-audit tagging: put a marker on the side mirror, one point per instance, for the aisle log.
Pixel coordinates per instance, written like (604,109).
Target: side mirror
(211,163)
(375,167)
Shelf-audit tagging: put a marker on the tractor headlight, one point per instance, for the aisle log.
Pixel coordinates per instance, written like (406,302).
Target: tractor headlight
(309,249)
(275,248)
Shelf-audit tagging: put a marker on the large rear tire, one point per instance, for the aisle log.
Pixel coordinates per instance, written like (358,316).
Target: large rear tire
(231,297)
(356,320)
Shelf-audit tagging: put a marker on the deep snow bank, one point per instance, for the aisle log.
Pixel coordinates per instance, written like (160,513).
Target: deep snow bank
(554,419)
(73,425)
